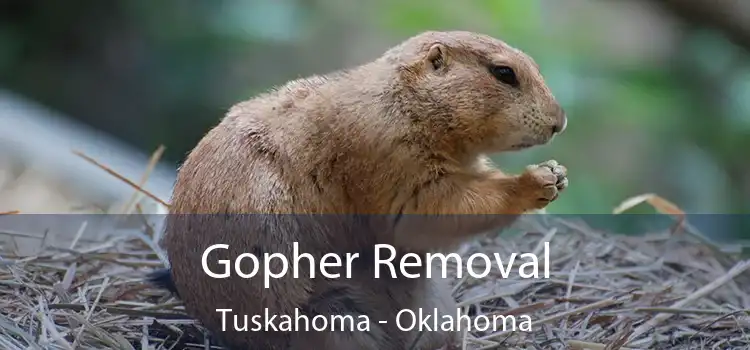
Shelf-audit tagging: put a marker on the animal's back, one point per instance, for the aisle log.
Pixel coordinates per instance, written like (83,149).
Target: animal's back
(247,184)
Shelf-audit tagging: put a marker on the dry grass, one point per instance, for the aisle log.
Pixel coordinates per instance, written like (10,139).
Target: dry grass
(659,291)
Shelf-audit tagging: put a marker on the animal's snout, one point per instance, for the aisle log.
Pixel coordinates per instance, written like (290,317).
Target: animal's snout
(561,121)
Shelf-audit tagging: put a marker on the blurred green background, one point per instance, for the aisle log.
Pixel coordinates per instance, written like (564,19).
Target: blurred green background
(657,92)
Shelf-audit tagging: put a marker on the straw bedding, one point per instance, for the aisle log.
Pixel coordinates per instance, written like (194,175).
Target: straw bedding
(658,291)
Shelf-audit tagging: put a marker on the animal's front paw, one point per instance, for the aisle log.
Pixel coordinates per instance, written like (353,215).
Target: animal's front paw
(542,183)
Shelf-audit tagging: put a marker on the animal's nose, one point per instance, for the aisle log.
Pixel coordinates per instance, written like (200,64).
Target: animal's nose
(561,124)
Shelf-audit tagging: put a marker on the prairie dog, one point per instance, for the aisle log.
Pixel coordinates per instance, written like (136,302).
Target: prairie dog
(407,133)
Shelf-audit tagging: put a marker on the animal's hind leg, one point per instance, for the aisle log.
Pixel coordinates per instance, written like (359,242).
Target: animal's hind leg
(350,303)
(377,300)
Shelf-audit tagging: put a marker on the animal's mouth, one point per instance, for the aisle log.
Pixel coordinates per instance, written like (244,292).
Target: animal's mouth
(520,146)
(529,142)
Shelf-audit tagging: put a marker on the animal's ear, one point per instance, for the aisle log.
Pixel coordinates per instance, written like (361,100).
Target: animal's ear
(436,57)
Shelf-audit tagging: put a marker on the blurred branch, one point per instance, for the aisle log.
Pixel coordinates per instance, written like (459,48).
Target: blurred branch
(731,17)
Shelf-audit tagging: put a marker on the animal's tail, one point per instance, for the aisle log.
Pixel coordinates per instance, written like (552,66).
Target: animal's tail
(162,278)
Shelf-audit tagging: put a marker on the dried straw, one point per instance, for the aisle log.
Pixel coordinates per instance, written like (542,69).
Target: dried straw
(605,291)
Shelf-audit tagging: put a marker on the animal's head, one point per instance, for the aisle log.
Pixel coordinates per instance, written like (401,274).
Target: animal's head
(478,87)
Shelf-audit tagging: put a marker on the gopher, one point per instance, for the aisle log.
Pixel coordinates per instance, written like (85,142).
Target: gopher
(393,151)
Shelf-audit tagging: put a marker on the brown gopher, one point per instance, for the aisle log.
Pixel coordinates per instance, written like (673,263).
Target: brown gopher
(405,134)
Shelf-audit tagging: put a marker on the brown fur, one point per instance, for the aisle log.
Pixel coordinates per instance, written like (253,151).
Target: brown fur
(407,133)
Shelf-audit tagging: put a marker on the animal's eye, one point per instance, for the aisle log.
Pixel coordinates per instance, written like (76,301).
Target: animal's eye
(505,74)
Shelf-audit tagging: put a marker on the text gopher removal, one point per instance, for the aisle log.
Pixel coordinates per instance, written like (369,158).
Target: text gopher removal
(477,265)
